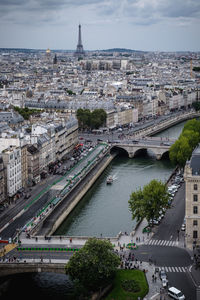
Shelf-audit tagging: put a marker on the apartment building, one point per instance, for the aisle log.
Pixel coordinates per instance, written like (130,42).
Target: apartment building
(66,137)
(24,167)
(2,182)
(12,162)
(33,155)
(46,146)
(192,199)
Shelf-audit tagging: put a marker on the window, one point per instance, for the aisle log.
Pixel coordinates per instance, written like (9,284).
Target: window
(195,234)
(195,222)
(195,198)
(195,209)
(195,187)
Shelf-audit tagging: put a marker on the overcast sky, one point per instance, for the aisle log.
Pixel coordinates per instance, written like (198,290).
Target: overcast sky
(154,25)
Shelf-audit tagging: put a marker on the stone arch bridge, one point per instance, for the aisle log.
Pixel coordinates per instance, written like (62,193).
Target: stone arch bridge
(158,147)
(37,267)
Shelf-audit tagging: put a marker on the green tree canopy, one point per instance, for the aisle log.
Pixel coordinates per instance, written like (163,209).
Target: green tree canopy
(98,118)
(182,149)
(26,112)
(83,116)
(148,202)
(88,119)
(94,265)
(196,105)
(193,125)
(192,137)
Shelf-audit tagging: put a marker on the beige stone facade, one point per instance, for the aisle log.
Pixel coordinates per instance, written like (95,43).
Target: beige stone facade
(192,201)
(24,168)
(2,182)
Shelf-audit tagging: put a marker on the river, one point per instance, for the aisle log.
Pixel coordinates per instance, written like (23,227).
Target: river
(103,210)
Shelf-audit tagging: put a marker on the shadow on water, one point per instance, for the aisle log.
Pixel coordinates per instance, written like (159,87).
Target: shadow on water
(46,285)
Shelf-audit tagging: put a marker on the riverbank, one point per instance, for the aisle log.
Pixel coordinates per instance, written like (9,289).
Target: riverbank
(64,208)
(66,212)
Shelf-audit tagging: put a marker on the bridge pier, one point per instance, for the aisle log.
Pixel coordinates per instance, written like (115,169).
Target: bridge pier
(131,154)
(158,156)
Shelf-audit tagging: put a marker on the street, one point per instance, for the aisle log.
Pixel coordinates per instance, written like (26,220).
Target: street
(14,218)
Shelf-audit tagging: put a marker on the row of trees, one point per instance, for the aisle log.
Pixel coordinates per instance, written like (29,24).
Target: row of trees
(26,112)
(91,120)
(182,149)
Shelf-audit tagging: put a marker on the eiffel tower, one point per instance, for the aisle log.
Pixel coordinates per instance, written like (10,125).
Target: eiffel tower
(79,49)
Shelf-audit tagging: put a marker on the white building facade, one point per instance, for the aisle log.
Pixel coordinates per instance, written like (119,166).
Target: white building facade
(12,162)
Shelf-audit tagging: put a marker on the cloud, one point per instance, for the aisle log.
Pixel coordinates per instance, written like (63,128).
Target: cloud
(146,12)
(139,12)
(36,22)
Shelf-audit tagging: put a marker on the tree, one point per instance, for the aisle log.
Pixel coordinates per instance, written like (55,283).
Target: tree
(193,125)
(180,151)
(192,137)
(136,205)
(98,118)
(196,69)
(148,202)
(94,265)
(83,116)
(88,119)
(196,105)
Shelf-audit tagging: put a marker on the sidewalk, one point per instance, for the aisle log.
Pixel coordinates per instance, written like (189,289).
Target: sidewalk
(195,275)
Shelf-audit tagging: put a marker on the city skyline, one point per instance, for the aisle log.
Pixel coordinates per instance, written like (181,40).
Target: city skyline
(134,24)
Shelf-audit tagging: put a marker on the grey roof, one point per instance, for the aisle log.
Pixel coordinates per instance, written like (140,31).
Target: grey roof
(74,105)
(43,139)
(195,161)
(11,117)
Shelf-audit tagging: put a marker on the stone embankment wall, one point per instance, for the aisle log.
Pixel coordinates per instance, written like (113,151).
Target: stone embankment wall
(63,209)
(83,191)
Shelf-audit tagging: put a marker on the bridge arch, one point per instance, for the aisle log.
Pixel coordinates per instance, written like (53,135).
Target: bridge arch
(135,149)
(119,150)
(140,152)
(165,155)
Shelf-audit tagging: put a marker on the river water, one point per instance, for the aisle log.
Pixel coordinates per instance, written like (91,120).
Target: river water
(103,210)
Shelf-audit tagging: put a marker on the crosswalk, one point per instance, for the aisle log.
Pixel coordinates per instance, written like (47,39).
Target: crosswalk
(174,269)
(161,243)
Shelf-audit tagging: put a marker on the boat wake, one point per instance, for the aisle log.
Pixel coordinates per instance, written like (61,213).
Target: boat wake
(115,177)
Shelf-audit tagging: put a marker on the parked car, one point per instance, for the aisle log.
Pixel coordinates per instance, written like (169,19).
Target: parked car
(164,282)
(163,274)
(27,196)
(183,227)
(175,293)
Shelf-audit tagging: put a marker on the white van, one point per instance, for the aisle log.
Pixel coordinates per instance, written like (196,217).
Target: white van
(175,293)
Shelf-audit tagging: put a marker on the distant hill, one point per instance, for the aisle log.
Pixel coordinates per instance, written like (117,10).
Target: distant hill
(120,50)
